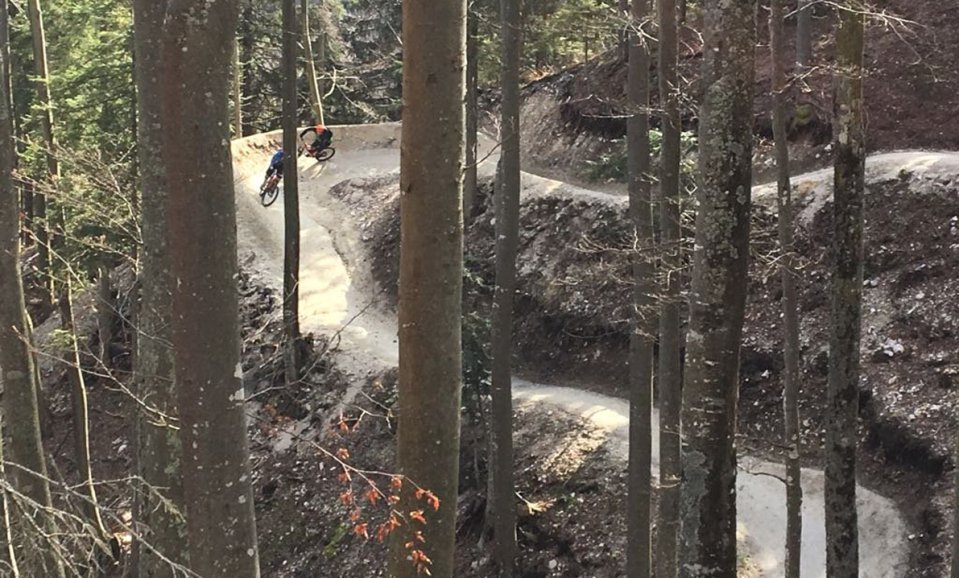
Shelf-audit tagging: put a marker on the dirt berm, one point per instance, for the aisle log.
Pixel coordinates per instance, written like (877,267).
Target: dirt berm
(572,312)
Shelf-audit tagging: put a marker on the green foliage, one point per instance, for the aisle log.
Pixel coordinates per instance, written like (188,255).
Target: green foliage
(61,339)
(556,34)
(90,61)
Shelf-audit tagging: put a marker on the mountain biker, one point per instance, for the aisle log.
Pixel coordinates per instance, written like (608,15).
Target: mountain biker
(324,138)
(275,168)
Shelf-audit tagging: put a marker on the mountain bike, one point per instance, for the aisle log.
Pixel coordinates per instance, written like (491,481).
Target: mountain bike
(270,190)
(307,138)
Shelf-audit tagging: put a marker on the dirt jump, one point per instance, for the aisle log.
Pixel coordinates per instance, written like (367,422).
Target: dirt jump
(340,298)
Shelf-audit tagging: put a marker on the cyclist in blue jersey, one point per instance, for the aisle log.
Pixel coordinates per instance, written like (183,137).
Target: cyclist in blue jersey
(275,168)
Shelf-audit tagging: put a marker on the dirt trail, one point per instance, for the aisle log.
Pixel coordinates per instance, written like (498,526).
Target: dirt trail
(338,295)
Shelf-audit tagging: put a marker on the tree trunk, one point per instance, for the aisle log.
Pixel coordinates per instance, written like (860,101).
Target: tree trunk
(804,32)
(196,58)
(472,115)
(842,536)
(682,11)
(507,199)
(790,302)
(623,7)
(316,97)
(291,200)
(57,240)
(9,557)
(105,315)
(247,46)
(431,273)
(159,452)
(81,413)
(954,568)
(639,549)
(17,370)
(237,91)
(669,371)
(41,208)
(718,292)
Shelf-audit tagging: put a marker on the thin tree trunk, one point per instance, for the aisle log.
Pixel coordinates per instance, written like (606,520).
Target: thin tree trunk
(718,292)
(105,315)
(42,225)
(804,32)
(431,273)
(316,97)
(159,453)
(623,6)
(237,90)
(57,240)
(842,534)
(954,568)
(669,370)
(507,243)
(472,115)
(790,302)
(81,413)
(17,371)
(291,199)
(247,46)
(8,559)
(639,549)
(218,498)
(682,11)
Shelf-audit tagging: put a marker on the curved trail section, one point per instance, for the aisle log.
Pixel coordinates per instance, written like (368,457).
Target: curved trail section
(339,296)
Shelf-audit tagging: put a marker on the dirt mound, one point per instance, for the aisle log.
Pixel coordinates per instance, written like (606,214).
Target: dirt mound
(911,92)
(572,315)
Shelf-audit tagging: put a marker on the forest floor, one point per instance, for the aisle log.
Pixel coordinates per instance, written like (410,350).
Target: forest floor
(570,332)
(364,209)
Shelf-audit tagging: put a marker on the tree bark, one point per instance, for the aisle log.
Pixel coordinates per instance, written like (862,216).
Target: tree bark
(159,451)
(718,292)
(316,96)
(669,370)
(291,199)
(218,497)
(472,115)
(17,370)
(639,549)
(804,32)
(431,272)
(237,90)
(41,206)
(790,302)
(507,199)
(842,536)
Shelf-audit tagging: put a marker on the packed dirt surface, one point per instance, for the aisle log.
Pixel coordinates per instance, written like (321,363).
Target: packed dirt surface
(570,314)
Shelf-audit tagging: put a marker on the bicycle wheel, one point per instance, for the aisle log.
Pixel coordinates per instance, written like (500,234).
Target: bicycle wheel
(325,154)
(269,195)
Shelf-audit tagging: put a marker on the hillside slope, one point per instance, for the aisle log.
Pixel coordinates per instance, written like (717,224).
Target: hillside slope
(912,92)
